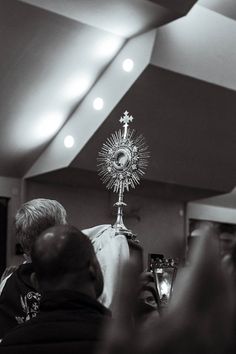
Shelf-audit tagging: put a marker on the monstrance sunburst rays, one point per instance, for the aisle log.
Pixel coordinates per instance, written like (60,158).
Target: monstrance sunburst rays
(123,159)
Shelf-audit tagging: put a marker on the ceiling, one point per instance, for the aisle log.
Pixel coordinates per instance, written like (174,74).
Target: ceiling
(181,144)
(56,58)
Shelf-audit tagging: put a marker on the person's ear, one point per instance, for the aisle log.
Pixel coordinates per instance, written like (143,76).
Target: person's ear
(34,281)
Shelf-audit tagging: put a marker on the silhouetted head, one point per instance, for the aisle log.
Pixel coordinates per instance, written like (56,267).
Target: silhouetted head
(36,216)
(64,258)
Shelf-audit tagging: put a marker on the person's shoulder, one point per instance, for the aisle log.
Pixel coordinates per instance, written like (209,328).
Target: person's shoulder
(9,271)
(3,283)
(19,279)
(96,231)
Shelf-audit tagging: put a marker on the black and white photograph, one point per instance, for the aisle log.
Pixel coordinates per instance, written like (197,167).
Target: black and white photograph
(117,176)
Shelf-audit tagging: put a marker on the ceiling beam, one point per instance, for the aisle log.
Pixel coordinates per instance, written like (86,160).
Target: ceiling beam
(180,6)
(126,18)
(182,47)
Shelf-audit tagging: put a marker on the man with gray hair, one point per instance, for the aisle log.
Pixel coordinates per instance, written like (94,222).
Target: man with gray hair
(19,301)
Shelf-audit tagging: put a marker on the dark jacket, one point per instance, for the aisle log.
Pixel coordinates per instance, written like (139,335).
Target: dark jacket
(67,317)
(19,301)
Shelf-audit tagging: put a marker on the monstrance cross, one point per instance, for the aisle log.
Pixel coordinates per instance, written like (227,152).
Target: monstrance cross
(126,119)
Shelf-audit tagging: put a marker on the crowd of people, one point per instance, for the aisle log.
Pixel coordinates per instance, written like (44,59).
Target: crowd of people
(84,292)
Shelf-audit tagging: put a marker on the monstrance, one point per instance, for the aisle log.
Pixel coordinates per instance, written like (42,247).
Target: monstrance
(121,163)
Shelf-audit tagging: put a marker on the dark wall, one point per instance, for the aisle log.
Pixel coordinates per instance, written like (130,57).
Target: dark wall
(158,223)
(155,211)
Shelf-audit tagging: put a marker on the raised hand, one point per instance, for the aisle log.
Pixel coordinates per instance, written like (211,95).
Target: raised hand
(199,319)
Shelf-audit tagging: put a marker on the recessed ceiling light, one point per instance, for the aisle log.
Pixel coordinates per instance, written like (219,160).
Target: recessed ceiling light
(98,103)
(69,141)
(128,65)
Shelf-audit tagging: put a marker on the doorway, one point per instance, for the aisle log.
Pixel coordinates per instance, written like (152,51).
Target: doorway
(3,232)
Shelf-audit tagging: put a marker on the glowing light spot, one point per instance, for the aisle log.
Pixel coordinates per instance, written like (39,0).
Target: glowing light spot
(98,103)
(49,124)
(128,65)
(107,47)
(75,87)
(69,141)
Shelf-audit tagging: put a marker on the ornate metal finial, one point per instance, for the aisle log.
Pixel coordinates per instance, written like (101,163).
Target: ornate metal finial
(121,163)
(126,119)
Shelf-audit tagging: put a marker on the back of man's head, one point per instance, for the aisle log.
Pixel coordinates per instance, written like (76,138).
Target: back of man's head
(64,259)
(36,216)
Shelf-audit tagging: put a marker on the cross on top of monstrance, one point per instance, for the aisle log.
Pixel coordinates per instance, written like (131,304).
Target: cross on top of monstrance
(121,163)
(126,119)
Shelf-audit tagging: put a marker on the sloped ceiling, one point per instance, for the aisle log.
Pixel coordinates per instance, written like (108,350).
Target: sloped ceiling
(43,57)
(226,8)
(52,54)
(182,97)
(124,18)
(186,126)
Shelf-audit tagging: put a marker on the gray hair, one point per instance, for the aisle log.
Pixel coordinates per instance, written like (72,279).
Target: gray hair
(36,216)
